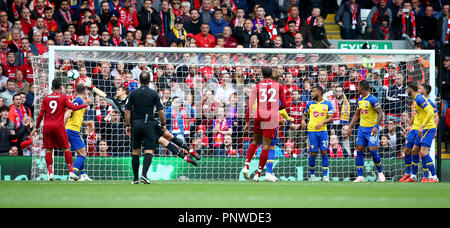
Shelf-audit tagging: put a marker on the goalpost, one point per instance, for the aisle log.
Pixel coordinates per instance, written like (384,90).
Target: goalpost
(208,90)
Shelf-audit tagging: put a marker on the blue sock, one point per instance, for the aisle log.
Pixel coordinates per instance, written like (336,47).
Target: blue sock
(325,165)
(270,158)
(425,169)
(415,164)
(312,164)
(360,163)
(78,165)
(429,164)
(377,160)
(408,158)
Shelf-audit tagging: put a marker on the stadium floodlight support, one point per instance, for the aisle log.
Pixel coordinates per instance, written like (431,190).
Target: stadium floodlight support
(55,53)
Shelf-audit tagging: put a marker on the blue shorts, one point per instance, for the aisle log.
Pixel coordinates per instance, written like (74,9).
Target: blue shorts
(365,138)
(427,138)
(75,140)
(318,140)
(274,140)
(411,139)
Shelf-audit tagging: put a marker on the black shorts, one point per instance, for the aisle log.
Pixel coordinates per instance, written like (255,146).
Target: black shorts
(158,132)
(143,135)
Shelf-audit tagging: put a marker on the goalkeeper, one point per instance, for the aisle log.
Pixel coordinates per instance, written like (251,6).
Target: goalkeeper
(163,136)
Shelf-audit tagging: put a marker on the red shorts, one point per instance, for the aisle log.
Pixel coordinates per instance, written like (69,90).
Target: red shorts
(266,128)
(55,137)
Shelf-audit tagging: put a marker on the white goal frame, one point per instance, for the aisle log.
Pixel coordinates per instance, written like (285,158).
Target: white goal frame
(53,50)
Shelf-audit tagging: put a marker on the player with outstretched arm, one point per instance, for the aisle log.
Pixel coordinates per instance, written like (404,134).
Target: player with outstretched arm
(163,136)
(370,115)
(320,113)
(54,132)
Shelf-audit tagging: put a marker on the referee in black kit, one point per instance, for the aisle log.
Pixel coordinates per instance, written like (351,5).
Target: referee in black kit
(139,115)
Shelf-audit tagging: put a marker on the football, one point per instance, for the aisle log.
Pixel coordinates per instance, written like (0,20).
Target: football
(73,74)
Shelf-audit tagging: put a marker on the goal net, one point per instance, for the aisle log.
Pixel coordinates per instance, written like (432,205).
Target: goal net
(205,95)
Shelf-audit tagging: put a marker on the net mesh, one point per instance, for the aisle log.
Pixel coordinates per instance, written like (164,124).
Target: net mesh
(205,96)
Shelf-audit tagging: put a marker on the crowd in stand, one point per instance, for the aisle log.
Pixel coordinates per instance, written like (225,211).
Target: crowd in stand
(28,28)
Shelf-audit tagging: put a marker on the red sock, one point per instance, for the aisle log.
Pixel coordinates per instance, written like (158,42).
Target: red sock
(251,152)
(69,160)
(49,161)
(263,159)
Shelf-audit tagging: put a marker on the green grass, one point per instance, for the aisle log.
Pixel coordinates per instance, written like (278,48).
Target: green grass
(222,194)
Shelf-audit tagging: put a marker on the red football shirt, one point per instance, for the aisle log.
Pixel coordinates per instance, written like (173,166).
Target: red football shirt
(270,98)
(53,109)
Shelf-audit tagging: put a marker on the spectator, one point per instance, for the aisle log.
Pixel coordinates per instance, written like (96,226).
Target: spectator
(178,118)
(346,144)
(130,41)
(148,16)
(21,54)
(319,35)
(7,131)
(351,86)
(227,148)
(204,38)
(49,21)
(243,32)
(10,66)
(289,35)
(17,111)
(306,91)
(169,74)
(258,19)
(220,128)
(37,46)
(268,32)
(429,30)
(225,91)
(443,25)
(114,134)
(9,92)
(128,16)
(14,151)
(335,147)
(217,23)
(348,17)
(103,149)
(384,147)
(3,79)
(295,110)
(167,18)
(206,12)
(22,137)
(384,31)
(406,18)
(229,40)
(103,81)
(396,141)
(178,34)
(15,43)
(193,24)
(374,19)
(22,86)
(63,16)
(27,22)
(396,98)
(199,147)
(300,26)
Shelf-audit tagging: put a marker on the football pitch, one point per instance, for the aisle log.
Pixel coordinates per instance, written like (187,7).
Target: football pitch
(222,194)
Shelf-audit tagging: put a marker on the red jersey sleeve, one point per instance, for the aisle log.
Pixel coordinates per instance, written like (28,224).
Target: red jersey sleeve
(283,104)
(71,105)
(41,113)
